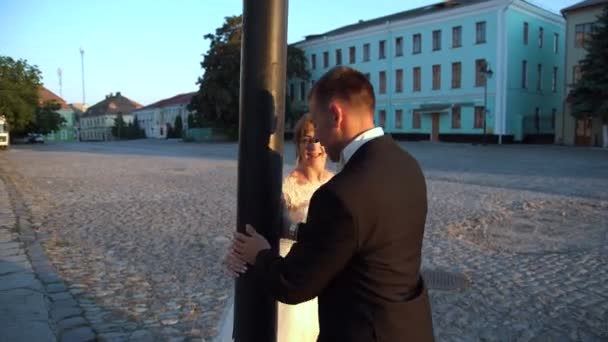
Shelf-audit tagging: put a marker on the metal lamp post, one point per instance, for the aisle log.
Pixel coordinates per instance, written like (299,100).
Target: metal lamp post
(260,167)
(487,73)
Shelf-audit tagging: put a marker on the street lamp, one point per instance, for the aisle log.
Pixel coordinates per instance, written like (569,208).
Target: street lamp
(487,73)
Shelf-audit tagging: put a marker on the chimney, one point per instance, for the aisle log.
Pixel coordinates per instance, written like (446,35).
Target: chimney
(117,93)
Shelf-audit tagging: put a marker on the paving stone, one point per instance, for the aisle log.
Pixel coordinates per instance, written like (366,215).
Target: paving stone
(61,313)
(19,258)
(11,267)
(60,296)
(82,334)
(70,302)
(8,252)
(141,336)
(56,288)
(69,323)
(112,337)
(19,280)
(10,245)
(26,330)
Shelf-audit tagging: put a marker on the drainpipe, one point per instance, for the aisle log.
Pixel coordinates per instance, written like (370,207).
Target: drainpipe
(389,74)
(505,67)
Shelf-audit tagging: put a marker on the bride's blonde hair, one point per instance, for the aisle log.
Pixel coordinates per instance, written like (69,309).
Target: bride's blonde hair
(298,132)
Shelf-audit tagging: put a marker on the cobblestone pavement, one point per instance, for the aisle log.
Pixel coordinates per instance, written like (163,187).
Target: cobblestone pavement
(126,238)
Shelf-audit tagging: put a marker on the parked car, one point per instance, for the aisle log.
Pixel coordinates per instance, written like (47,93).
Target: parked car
(35,138)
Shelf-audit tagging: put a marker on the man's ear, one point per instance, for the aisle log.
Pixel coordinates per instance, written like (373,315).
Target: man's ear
(337,114)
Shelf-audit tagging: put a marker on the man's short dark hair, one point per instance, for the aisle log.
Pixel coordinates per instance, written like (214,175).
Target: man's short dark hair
(344,84)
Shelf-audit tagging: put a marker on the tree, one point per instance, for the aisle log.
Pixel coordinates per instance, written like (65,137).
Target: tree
(19,83)
(218,95)
(135,130)
(178,127)
(589,97)
(120,128)
(46,119)
(191,123)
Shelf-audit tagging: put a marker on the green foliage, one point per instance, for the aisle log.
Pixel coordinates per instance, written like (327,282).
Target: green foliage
(122,130)
(136,132)
(119,130)
(46,119)
(19,83)
(218,97)
(177,130)
(589,98)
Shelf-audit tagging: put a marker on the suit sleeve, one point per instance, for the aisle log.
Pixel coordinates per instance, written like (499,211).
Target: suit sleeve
(325,245)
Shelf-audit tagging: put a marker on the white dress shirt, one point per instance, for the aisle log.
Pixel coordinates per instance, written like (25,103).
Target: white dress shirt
(354,145)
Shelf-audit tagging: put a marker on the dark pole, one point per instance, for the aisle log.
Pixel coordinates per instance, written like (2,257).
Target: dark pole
(485,103)
(260,170)
(487,73)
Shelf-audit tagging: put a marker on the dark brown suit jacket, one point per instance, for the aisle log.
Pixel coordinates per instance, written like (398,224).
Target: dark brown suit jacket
(359,251)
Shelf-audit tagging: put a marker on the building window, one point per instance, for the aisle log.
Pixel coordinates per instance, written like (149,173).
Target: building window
(556,43)
(582,32)
(313,61)
(381,49)
(554,80)
(417,78)
(576,73)
(339,57)
(417,41)
(366,52)
(456,117)
(537,119)
(399,46)
(326,59)
(436,40)
(352,55)
(382,118)
(416,119)
(399,80)
(478,122)
(524,74)
(480,77)
(480,32)
(398,119)
(436,77)
(553,117)
(456,75)
(539,77)
(382,82)
(292,92)
(303,91)
(541,34)
(526,28)
(456,36)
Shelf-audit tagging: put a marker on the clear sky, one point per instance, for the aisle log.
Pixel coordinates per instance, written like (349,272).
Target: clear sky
(152,49)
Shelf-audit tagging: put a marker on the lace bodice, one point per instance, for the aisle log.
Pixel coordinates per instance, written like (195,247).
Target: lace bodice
(297,197)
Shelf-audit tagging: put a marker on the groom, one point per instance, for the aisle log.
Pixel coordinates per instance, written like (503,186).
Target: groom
(359,250)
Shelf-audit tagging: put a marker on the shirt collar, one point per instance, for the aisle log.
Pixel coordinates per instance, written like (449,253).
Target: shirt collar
(356,143)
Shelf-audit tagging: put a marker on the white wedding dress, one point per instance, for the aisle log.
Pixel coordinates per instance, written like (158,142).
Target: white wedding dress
(297,323)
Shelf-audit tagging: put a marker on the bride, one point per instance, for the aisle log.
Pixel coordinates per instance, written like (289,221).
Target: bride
(298,323)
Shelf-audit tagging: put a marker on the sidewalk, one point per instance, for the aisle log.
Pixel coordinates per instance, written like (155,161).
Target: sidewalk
(35,304)
(24,314)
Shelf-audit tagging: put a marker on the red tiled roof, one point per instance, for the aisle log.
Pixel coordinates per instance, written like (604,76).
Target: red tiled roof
(181,99)
(584,4)
(113,104)
(45,95)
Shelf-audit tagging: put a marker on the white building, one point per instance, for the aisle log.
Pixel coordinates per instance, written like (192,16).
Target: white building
(156,119)
(96,123)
